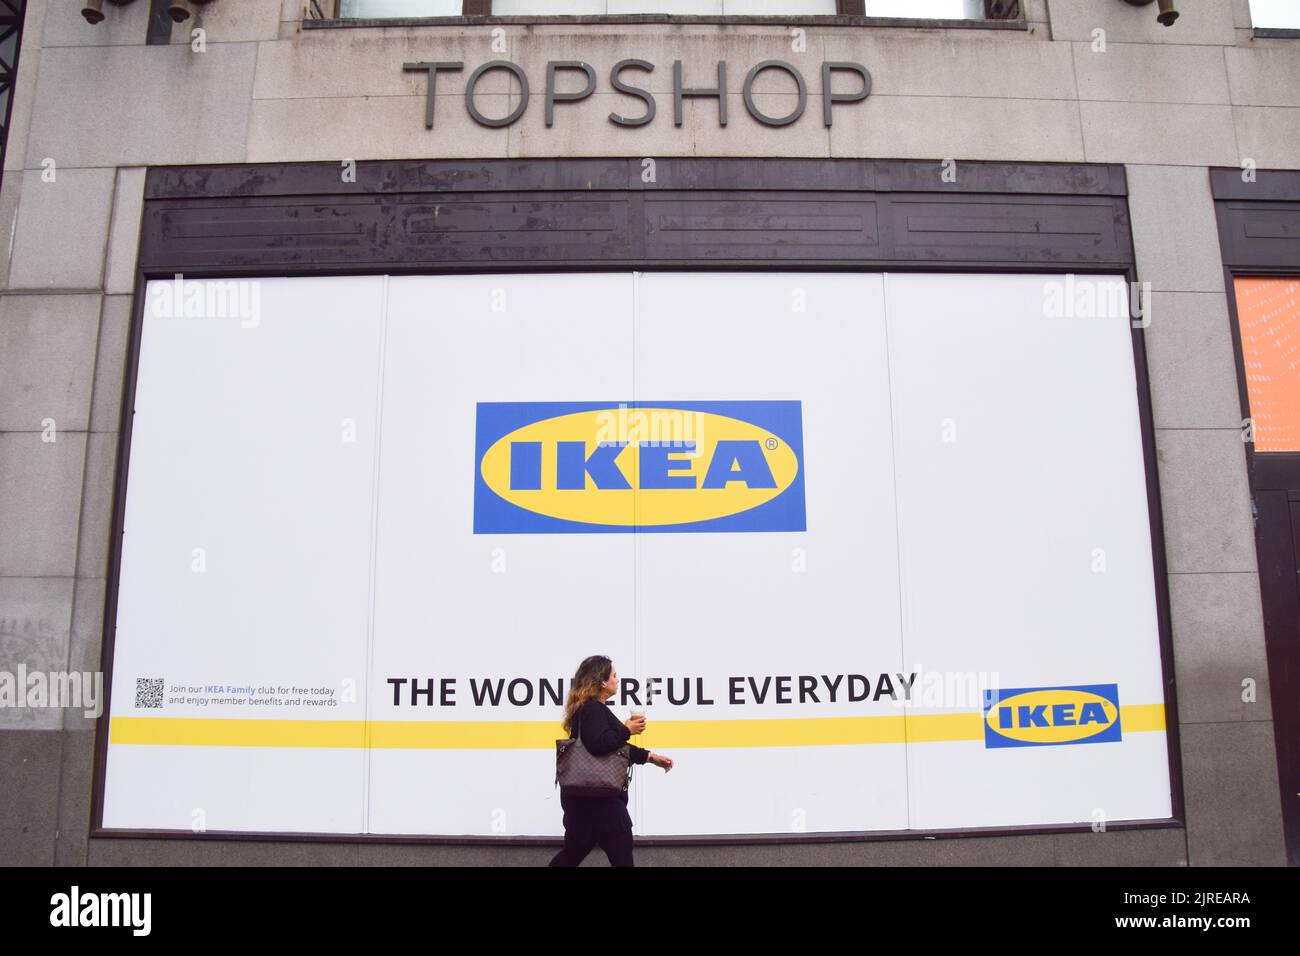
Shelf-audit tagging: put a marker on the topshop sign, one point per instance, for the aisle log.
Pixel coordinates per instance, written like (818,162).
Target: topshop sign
(616,80)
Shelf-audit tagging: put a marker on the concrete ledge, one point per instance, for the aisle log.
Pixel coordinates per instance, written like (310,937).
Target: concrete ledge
(1154,847)
(667,18)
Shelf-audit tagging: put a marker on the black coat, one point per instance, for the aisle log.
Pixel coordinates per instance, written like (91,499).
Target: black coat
(602,733)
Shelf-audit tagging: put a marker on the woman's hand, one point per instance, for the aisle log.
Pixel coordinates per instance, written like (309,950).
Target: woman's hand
(635,724)
(659,760)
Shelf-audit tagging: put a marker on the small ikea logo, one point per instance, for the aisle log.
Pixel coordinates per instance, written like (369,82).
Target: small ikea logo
(1045,716)
(566,467)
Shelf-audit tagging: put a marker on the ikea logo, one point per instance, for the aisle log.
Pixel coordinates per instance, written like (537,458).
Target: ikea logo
(1045,716)
(566,467)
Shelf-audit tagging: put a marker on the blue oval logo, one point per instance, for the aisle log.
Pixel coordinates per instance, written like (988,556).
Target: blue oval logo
(1046,716)
(645,466)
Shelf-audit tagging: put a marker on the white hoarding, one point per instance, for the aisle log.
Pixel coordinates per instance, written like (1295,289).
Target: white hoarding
(880,543)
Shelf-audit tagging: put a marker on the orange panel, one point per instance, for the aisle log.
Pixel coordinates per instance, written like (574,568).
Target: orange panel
(1268,311)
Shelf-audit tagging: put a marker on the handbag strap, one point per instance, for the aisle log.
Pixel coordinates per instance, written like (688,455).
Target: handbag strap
(630,764)
(577,723)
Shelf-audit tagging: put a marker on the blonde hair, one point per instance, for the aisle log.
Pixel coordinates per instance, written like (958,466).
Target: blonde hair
(587,684)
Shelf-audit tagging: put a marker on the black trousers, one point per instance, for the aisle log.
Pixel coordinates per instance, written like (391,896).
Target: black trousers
(591,822)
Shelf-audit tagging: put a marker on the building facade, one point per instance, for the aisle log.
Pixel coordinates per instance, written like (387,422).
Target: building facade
(278,140)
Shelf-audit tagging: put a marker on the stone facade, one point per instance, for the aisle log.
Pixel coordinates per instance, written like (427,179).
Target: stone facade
(97,106)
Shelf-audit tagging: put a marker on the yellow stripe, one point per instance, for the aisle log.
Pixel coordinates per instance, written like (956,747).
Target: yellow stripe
(236,732)
(542,734)
(1142,717)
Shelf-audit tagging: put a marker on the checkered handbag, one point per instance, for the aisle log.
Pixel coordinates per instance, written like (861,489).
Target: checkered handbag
(580,773)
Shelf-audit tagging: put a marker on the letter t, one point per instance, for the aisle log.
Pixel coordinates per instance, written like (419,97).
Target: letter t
(432,69)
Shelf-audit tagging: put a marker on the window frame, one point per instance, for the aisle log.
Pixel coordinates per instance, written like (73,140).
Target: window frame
(11,25)
(1255,219)
(375,222)
(847,13)
(1282,33)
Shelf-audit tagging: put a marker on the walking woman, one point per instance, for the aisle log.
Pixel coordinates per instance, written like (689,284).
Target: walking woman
(589,821)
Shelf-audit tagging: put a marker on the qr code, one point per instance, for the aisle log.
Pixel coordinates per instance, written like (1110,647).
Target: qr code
(148,691)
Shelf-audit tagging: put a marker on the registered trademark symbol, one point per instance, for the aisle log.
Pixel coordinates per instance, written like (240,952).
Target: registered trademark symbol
(771,444)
